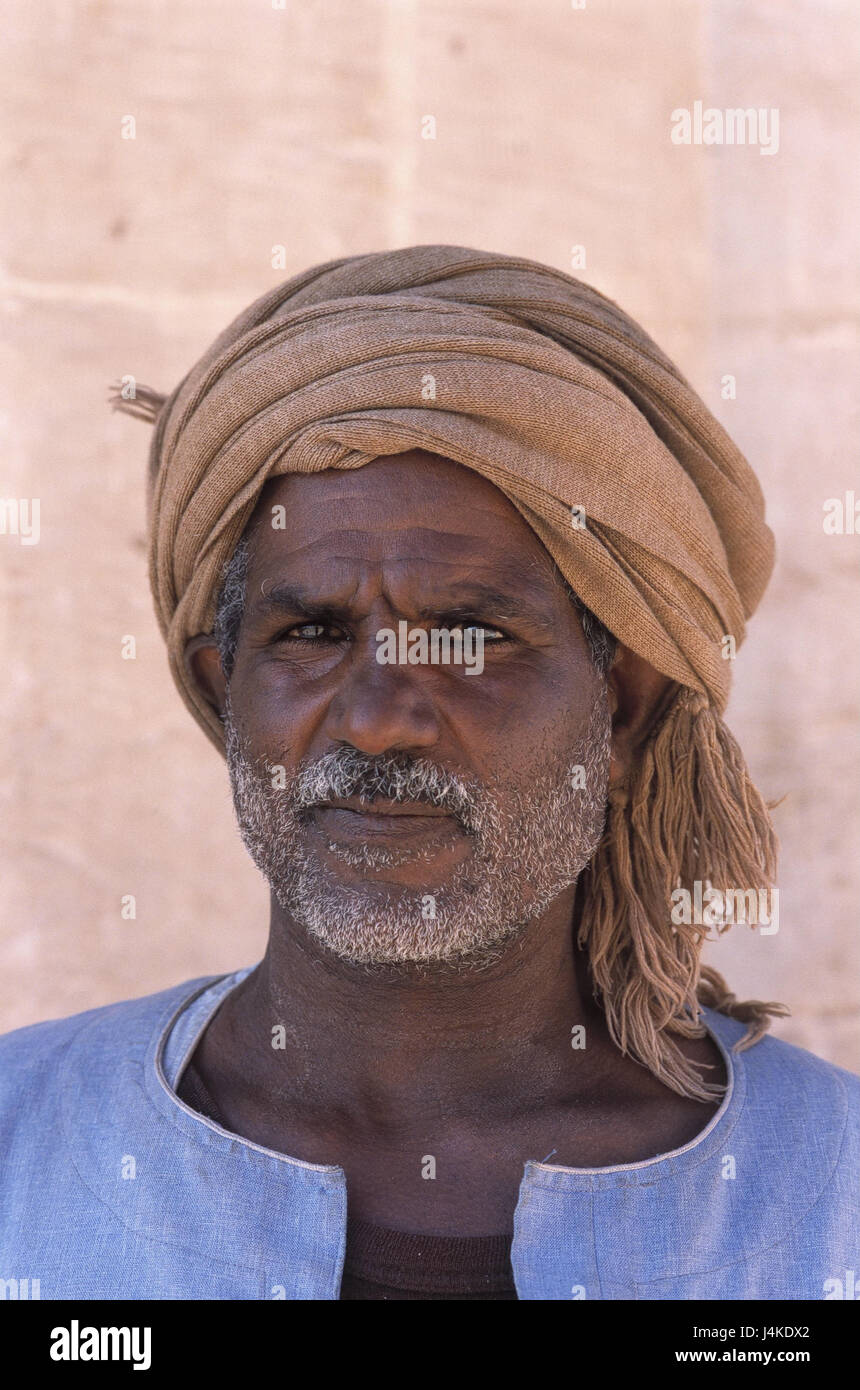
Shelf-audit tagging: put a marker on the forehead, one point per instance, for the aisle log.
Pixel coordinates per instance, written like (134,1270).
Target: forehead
(414,507)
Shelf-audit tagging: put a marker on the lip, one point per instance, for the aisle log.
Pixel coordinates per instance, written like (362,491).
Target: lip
(381,809)
(354,821)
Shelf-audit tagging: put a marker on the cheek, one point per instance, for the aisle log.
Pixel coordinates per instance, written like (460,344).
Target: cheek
(270,722)
(532,692)
(523,722)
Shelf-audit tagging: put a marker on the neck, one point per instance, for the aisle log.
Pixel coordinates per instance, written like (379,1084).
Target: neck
(474,1041)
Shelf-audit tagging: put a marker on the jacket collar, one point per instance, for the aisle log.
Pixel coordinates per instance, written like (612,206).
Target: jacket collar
(270,1220)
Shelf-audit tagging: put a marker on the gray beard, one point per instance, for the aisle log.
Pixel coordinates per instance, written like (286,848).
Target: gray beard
(529,843)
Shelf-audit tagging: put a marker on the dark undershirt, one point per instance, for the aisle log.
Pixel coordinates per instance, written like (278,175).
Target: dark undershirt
(385,1264)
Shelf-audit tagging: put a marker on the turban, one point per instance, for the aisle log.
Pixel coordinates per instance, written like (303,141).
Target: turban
(556,396)
(516,370)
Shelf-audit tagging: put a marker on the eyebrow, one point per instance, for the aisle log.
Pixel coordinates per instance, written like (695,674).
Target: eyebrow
(293,598)
(470,599)
(473,597)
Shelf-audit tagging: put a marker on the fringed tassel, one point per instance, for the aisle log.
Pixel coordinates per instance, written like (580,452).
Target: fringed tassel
(689,812)
(145,404)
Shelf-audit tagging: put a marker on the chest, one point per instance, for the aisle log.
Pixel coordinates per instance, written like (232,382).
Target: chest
(460,1180)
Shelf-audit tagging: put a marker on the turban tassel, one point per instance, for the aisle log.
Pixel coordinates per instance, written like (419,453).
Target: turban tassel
(556,396)
(689,813)
(146,404)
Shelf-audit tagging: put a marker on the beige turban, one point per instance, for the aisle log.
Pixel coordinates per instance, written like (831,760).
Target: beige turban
(523,373)
(554,394)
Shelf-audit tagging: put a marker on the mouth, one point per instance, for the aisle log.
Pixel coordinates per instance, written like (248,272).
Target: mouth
(351,819)
(379,806)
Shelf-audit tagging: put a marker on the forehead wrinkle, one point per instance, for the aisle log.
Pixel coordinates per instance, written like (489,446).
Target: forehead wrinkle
(532,560)
(340,534)
(531,573)
(490,574)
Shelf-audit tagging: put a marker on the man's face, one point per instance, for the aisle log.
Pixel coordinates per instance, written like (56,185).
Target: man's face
(411,813)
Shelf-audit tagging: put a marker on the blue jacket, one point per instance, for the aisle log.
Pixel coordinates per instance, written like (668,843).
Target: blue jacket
(112,1187)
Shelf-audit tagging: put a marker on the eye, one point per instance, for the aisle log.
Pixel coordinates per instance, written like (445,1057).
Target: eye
(311,632)
(492,634)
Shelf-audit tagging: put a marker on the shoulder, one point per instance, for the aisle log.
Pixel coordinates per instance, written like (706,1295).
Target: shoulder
(780,1062)
(792,1099)
(31,1058)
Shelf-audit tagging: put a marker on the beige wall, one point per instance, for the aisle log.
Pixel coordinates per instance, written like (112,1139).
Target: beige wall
(257,127)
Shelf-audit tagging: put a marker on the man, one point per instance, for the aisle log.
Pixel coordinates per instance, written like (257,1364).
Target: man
(481,1058)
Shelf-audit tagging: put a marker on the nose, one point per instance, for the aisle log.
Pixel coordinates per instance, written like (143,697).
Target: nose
(382,708)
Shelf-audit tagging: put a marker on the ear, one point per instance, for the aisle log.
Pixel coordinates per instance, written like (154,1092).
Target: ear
(638,695)
(203,662)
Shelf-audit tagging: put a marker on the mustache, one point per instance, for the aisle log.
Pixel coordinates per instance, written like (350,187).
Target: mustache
(396,777)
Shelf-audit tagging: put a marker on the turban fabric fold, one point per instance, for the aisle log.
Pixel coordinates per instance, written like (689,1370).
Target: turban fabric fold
(556,396)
